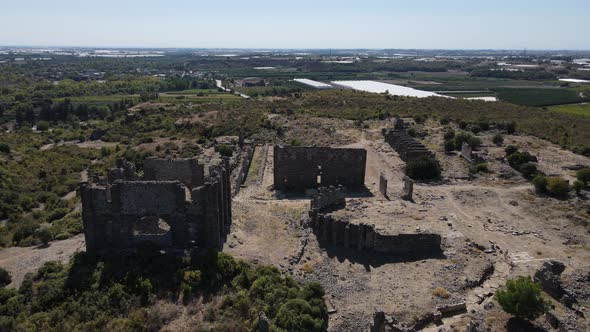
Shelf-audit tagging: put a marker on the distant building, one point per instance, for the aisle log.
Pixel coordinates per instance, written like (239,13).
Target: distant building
(250,82)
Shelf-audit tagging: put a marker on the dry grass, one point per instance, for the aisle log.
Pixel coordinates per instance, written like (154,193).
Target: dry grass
(441,293)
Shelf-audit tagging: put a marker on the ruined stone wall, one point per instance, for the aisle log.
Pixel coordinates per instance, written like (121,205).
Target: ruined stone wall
(300,168)
(187,171)
(241,171)
(111,212)
(366,237)
(327,198)
(408,147)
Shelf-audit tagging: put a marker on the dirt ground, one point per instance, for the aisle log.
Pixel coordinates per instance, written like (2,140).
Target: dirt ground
(514,229)
(22,260)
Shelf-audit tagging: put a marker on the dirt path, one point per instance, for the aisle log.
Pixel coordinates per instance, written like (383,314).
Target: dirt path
(22,260)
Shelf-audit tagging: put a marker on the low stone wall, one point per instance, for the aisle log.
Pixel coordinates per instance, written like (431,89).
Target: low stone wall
(328,197)
(366,237)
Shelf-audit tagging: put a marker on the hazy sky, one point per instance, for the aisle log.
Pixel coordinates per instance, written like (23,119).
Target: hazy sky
(514,24)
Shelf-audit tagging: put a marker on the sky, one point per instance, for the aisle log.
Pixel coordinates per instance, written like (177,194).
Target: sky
(422,24)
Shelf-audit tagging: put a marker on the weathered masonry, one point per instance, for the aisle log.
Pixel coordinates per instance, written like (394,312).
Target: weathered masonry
(408,147)
(174,205)
(300,168)
(363,236)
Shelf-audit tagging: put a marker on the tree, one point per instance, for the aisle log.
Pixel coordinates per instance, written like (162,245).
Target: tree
(5,277)
(522,298)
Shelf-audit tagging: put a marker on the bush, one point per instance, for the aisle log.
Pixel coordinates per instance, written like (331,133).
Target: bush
(583,175)
(424,168)
(224,150)
(450,145)
(510,150)
(558,187)
(412,132)
(479,168)
(42,126)
(474,142)
(522,298)
(44,234)
(517,159)
(449,135)
(498,139)
(528,170)
(5,277)
(461,138)
(578,186)
(4,148)
(540,182)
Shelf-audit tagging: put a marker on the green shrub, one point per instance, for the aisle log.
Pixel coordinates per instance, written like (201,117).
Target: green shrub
(4,148)
(449,135)
(583,175)
(5,277)
(224,150)
(412,132)
(578,186)
(450,145)
(424,168)
(44,235)
(460,138)
(540,182)
(479,168)
(528,170)
(474,142)
(522,298)
(498,139)
(517,159)
(558,187)
(297,315)
(511,149)
(42,126)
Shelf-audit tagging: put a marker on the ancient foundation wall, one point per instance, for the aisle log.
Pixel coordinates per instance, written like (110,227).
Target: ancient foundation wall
(300,168)
(328,198)
(365,237)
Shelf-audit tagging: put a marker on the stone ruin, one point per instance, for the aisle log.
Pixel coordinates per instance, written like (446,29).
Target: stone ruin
(173,204)
(468,154)
(408,191)
(328,198)
(408,147)
(299,168)
(364,236)
(383,186)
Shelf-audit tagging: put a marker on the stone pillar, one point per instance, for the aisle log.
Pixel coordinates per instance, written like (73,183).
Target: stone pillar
(408,191)
(383,185)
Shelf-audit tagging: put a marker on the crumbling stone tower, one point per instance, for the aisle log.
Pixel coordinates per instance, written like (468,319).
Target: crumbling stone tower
(196,208)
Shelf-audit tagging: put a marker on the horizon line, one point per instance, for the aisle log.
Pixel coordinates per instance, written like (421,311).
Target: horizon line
(295,48)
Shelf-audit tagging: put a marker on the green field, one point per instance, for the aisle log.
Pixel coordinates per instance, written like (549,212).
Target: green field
(575,109)
(538,96)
